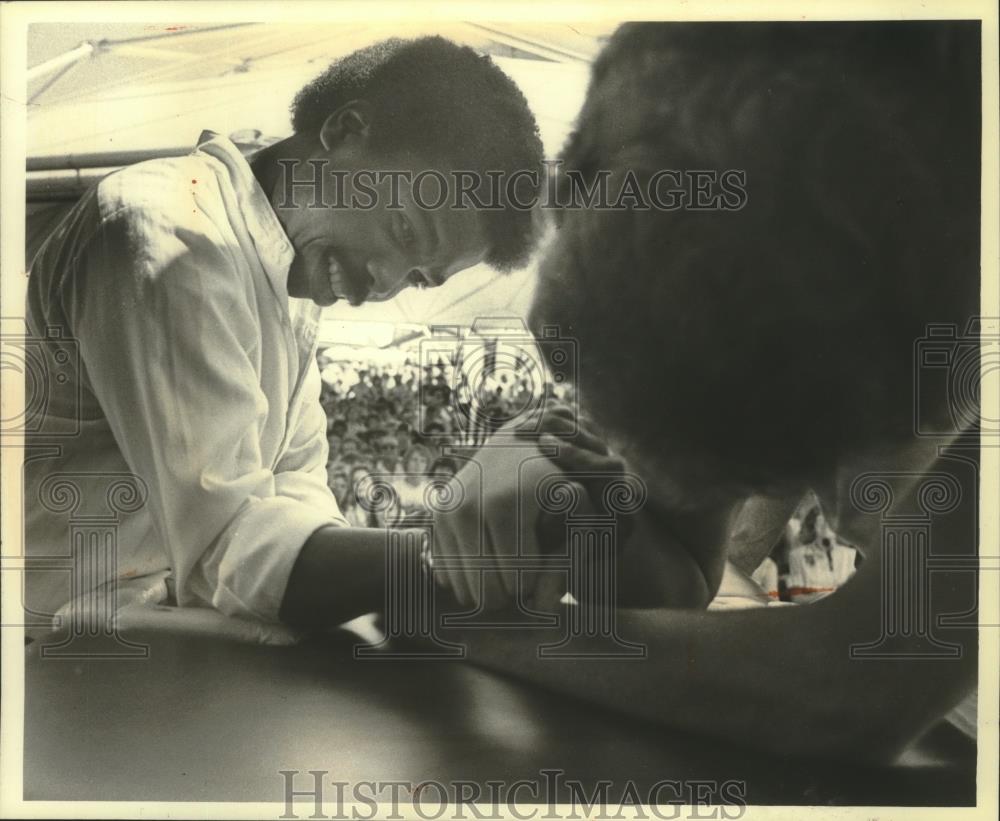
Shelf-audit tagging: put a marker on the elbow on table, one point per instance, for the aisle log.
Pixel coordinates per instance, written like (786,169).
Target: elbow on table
(870,733)
(866,744)
(868,710)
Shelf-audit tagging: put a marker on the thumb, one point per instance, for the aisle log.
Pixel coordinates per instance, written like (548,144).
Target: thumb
(571,458)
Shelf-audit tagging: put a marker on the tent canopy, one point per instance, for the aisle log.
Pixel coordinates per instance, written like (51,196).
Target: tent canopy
(113,89)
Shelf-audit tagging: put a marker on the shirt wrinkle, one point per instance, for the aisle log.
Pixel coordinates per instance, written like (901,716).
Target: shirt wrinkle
(224,371)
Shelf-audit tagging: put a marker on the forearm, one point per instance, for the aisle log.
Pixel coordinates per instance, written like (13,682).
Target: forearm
(338,575)
(778,678)
(655,571)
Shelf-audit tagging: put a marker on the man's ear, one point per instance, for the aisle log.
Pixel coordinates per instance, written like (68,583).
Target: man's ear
(353,118)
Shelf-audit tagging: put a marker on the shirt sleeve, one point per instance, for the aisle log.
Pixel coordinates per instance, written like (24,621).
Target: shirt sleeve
(167,328)
(301,471)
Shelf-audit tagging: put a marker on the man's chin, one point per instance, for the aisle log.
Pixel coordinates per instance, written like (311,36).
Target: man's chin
(321,301)
(326,302)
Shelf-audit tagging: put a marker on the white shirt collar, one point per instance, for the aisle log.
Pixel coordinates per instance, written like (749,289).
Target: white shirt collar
(272,244)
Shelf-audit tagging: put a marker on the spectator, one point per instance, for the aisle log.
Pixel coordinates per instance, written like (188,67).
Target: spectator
(444,467)
(404,437)
(767,577)
(350,446)
(387,454)
(334,442)
(353,510)
(818,563)
(339,483)
(411,484)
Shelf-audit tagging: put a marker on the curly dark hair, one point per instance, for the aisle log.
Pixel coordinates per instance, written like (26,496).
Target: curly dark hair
(756,349)
(444,104)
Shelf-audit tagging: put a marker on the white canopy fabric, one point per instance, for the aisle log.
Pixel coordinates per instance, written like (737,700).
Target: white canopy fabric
(141,88)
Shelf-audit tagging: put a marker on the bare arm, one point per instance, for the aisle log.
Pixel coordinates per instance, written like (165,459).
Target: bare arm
(778,678)
(338,575)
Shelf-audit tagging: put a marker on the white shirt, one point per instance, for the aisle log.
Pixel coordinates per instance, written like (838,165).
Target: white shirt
(198,376)
(766,575)
(815,572)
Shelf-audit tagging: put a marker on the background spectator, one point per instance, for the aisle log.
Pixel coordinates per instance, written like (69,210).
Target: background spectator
(817,562)
(391,418)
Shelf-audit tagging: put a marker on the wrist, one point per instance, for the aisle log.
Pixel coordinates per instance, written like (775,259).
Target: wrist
(657,569)
(339,574)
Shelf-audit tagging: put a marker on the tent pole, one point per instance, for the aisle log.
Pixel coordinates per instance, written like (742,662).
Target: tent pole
(85,49)
(104,159)
(177,32)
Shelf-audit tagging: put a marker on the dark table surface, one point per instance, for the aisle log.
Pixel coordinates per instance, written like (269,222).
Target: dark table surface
(206,719)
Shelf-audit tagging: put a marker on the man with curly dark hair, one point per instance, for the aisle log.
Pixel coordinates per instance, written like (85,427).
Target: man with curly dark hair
(861,147)
(378,119)
(193,286)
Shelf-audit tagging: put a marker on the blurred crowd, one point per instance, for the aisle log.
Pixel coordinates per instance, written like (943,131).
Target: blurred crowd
(393,424)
